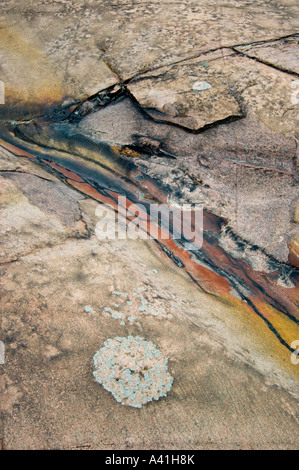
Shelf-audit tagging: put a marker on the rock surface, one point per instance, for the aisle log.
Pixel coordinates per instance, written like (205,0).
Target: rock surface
(69,44)
(190,94)
(198,104)
(282,54)
(216,356)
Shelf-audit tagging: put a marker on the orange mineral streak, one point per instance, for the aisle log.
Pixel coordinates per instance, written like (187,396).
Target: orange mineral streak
(204,277)
(284,326)
(294,260)
(268,289)
(293,294)
(16,150)
(207,279)
(271,300)
(151,187)
(64,172)
(88,190)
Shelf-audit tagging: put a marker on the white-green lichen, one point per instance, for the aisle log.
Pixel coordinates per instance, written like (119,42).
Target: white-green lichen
(88,309)
(133,370)
(130,307)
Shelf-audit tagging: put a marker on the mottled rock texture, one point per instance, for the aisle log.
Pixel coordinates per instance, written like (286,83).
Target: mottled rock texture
(54,50)
(179,101)
(282,54)
(189,94)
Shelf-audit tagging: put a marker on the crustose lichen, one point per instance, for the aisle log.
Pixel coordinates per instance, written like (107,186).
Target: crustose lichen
(133,370)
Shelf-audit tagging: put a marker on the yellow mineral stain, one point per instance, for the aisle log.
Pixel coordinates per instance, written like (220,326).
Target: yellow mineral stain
(30,79)
(130,153)
(286,327)
(294,251)
(244,322)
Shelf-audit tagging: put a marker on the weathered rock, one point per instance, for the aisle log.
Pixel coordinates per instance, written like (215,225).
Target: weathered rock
(55,51)
(189,94)
(294,252)
(169,94)
(50,364)
(283,54)
(10,163)
(265,91)
(161,33)
(34,210)
(36,79)
(225,316)
(227,162)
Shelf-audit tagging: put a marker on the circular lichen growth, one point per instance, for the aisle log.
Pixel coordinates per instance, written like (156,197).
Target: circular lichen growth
(133,370)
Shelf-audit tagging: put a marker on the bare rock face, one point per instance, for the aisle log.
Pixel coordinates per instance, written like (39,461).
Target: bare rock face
(163,102)
(24,227)
(53,52)
(294,252)
(282,54)
(189,94)
(242,171)
(218,86)
(34,211)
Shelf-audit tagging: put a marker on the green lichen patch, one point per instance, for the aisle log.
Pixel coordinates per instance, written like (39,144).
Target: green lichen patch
(133,370)
(130,307)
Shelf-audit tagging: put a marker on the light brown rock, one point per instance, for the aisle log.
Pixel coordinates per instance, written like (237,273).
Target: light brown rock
(283,54)
(56,51)
(216,356)
(191,94)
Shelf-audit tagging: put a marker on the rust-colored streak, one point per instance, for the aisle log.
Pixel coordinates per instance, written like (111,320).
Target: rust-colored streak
(208,279)
(63,171)
(16,150)
(88,190)
(294,254)
(220,274)
(149,185)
